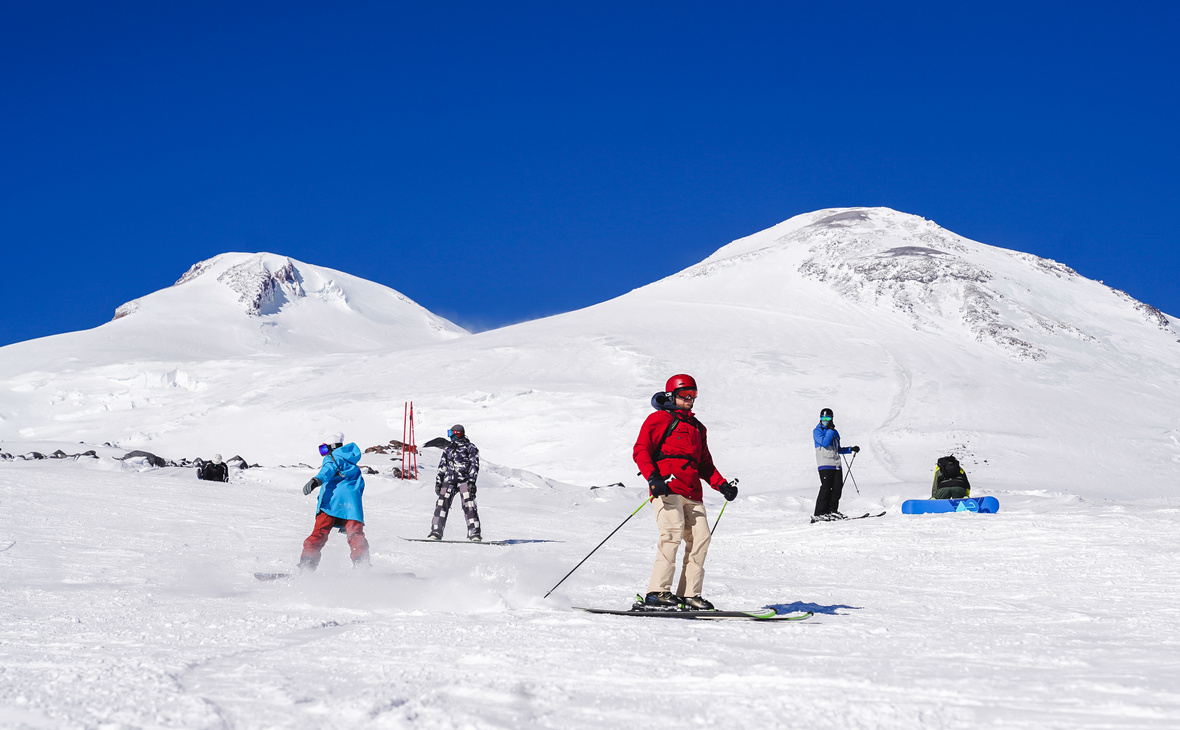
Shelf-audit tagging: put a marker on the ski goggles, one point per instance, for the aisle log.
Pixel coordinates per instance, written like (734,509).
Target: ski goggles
(451,433)
(825,419)
(325,449)
(686,394)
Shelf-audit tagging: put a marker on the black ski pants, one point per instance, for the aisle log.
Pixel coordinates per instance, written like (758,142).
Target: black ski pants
(831,484)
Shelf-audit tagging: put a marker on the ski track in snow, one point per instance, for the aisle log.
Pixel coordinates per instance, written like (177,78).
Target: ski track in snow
(128,601)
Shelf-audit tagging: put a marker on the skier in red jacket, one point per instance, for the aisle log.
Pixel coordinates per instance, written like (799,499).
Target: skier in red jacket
(673,454)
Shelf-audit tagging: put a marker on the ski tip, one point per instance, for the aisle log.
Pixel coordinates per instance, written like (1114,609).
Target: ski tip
(794,616)
(266,577)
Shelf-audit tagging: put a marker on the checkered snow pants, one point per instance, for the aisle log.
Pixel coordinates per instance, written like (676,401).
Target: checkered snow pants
(443,506)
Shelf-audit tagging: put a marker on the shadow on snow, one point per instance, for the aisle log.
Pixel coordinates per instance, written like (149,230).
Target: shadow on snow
(812,607)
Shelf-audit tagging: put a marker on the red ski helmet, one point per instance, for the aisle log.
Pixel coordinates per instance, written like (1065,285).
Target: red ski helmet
(680,382)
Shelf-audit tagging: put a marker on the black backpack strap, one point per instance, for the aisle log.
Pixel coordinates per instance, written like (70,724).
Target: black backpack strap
(676,421)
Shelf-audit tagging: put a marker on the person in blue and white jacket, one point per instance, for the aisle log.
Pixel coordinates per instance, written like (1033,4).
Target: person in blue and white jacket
(341,488)
(831,476)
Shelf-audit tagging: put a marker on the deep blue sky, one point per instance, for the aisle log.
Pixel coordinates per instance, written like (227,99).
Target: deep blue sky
(498,162)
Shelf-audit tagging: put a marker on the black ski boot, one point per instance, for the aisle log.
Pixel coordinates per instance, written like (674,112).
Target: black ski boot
(696,603)
(658,601)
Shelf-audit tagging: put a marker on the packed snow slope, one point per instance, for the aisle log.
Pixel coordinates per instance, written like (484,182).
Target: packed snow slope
(922,341)
(127,601)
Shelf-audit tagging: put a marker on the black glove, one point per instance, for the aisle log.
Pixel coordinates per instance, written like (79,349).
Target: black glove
(438,489)
(658,487)
(728,491)
(471,491)
(312,485)
(855,449)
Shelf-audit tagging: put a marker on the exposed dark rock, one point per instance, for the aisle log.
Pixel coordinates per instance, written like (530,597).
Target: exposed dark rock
(839,220)
(237,462)
(608,486)
(436,443)
(125,309)
(59,454)
(261,290)
(394,447)
(152,459)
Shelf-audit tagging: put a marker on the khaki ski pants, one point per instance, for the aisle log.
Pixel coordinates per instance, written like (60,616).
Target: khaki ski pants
(680,519)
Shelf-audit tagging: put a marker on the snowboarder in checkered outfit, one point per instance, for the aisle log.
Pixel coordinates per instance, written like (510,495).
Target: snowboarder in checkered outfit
(457,471)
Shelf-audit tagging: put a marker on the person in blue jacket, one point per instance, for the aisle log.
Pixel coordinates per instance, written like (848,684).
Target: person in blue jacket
(831,476)
(341,487)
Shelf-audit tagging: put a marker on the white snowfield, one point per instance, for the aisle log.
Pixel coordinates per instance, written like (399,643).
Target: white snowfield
(126,592)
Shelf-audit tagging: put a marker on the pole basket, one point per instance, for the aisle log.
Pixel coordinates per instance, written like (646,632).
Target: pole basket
(409,445)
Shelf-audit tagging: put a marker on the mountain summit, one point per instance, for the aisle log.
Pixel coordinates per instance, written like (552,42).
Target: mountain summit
(938,281)
(241,304)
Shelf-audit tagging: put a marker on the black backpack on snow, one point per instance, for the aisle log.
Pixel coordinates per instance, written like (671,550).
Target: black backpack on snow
(952,482)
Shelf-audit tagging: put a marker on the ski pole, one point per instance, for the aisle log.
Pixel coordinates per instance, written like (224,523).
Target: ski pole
(849,475)
(718,518)
(733,482)
(645,501)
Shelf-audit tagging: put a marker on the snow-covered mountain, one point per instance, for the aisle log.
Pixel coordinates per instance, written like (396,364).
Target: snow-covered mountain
(923,342)
(237,305)
(1053,389)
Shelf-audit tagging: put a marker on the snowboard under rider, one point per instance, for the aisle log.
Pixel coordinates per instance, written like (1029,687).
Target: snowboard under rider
(950,481)
(213,471)
(672,453)
(457,471)
(341,488)
(831,475)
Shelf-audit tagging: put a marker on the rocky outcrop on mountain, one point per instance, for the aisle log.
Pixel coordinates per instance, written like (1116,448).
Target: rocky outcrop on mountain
(1153,315)
(929,277)
(263,290)
(393,447)
(123,310)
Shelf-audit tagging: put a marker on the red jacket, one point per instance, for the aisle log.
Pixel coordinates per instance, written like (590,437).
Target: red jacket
(685,457)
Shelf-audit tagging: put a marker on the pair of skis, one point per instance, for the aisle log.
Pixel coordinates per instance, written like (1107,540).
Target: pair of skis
(760,614)
(866,514)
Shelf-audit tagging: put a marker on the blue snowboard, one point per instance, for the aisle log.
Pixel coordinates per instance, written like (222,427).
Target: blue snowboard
(987,505)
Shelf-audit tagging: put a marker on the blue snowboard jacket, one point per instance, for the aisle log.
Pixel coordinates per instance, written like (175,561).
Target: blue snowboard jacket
(342,484)
(827,447)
